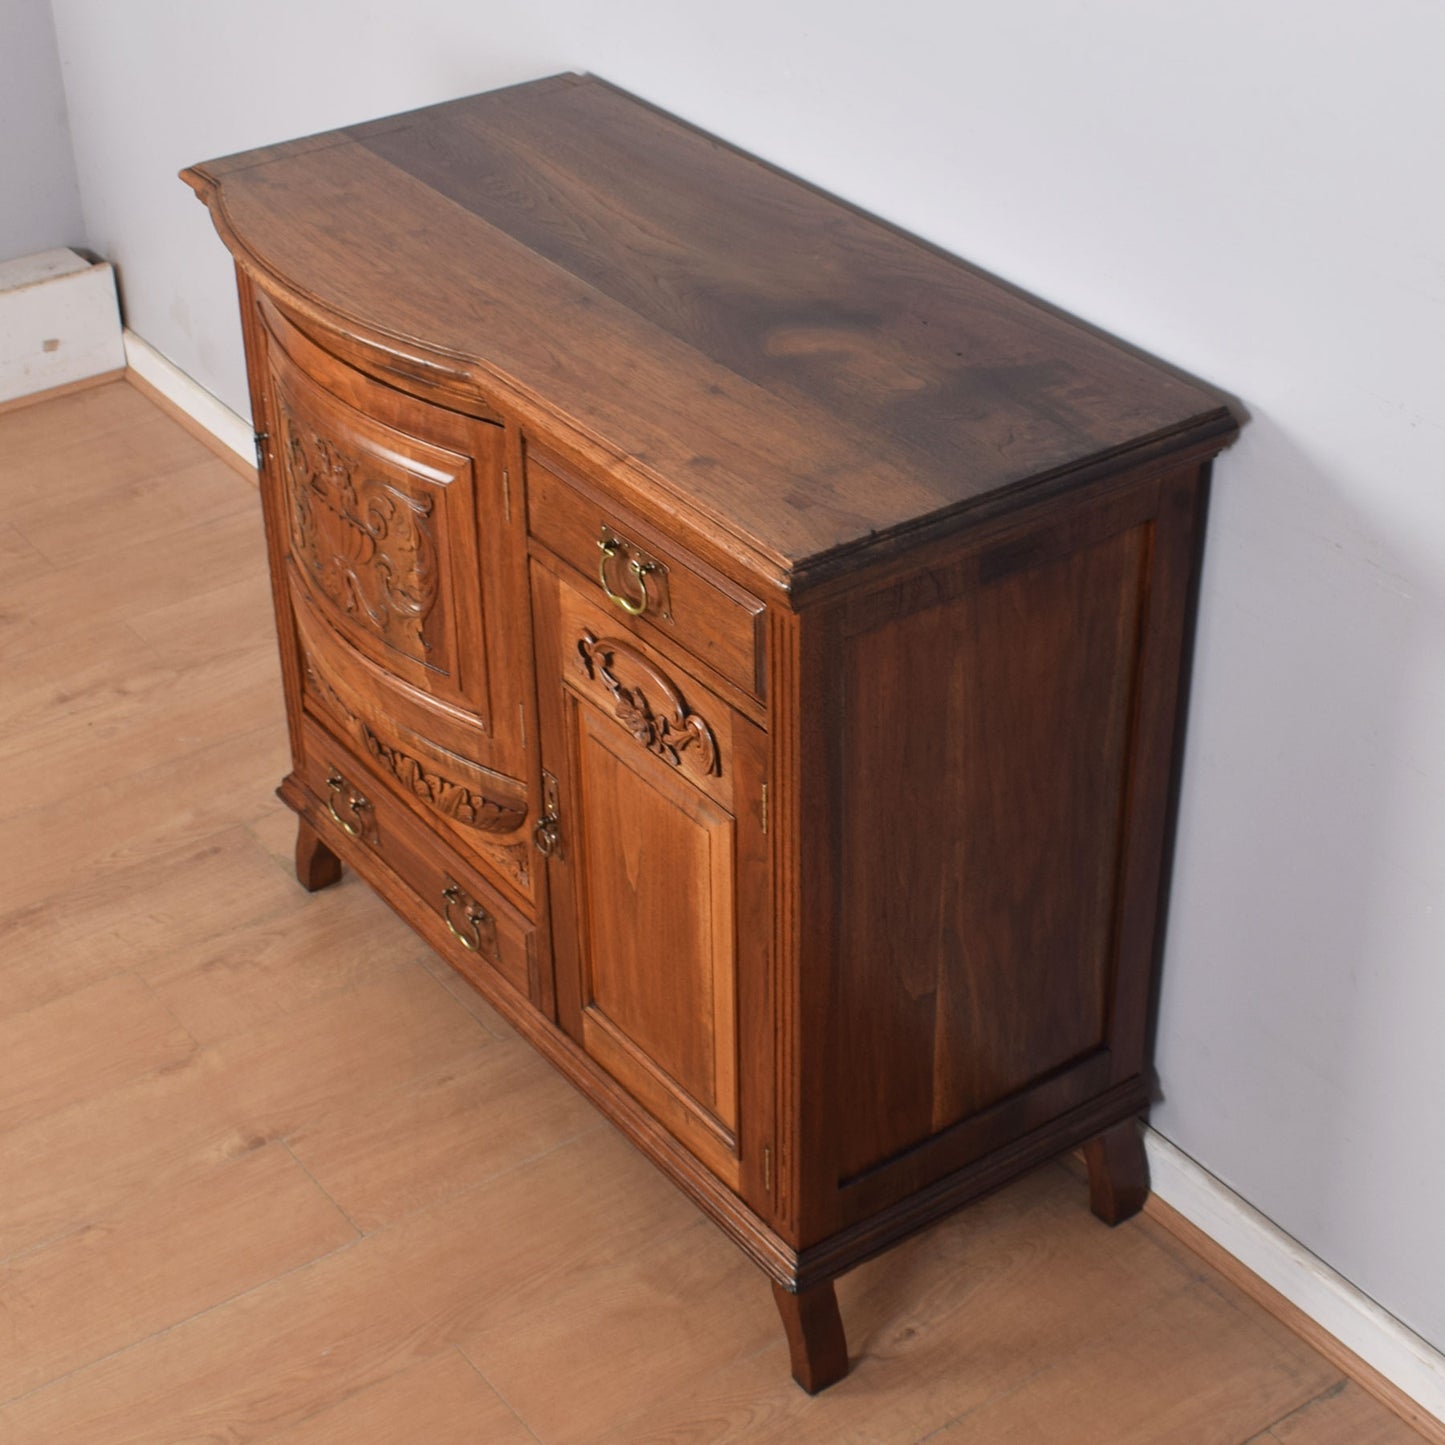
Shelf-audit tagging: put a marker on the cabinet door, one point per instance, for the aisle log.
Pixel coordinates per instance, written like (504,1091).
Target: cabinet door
(401,592)
(401,559)
(659,883)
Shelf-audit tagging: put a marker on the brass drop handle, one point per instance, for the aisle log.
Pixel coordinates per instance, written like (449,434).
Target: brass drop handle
(610,547)
(476,917)
(354,805)
(547,834)
(544,835)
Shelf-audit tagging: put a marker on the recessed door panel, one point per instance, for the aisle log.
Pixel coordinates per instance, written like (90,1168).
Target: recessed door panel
(382,527)
(659,974)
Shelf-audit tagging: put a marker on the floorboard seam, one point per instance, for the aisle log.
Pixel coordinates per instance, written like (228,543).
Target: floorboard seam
(492,1386)
(1328,1393)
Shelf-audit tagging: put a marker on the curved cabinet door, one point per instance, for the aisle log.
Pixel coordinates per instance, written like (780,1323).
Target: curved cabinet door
(399,550)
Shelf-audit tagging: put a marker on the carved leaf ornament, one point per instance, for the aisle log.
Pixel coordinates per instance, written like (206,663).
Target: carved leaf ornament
(452,799)
(658,718)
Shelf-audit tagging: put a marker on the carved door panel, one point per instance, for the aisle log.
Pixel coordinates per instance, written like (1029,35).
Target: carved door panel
(661,873)
(403,566)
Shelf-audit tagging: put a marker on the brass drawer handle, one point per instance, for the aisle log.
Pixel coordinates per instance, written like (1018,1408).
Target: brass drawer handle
(612,547)
(355,805)
(479,935)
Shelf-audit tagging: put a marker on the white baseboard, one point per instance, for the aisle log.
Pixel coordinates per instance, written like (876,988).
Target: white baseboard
(1307,1282)
(231,430)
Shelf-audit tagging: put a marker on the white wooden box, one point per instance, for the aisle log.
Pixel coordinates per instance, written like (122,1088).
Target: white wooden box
(59,322)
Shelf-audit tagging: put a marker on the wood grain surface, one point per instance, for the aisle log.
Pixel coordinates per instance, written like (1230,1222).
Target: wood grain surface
(794,372)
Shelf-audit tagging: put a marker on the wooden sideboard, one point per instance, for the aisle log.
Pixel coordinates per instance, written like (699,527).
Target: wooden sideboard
(748,643)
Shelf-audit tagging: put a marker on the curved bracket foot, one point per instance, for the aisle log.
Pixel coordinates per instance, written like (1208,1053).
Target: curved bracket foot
(317,866)
(1118,1172)
(814,1328)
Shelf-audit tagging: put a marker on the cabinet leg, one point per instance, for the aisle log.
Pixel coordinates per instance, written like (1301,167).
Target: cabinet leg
(316,865)
(816,1341)
(1118,1172)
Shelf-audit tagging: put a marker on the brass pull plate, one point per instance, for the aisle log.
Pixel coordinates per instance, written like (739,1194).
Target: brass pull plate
(478,933)
(355,805)
(644,587)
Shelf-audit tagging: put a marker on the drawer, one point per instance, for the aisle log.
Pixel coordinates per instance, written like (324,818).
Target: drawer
(644,581)
(486,932)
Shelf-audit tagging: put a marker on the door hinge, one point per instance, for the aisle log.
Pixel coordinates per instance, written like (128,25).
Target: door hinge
(507,492)
(261,438)
(768,1168)
(765,807)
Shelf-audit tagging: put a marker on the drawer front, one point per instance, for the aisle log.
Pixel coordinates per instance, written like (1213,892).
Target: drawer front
(646,585)
(485,931)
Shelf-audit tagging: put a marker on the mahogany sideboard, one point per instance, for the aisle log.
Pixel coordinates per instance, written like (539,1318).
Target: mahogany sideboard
(746,642)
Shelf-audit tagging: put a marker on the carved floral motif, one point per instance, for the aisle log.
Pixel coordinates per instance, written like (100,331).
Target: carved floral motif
(451,799)
(319,687)
(367,545)
(511,858)
(669,729)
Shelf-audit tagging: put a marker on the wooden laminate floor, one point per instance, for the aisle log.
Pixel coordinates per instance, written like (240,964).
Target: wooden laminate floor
(269,1172)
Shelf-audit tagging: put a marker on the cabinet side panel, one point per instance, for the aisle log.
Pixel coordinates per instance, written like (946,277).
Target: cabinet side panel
(985,762)
(273,507)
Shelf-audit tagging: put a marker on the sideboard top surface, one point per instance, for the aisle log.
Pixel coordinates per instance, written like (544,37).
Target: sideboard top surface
(800,379)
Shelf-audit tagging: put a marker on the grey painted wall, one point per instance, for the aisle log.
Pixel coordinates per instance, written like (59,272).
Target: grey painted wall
(39,198)
(1251,192)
